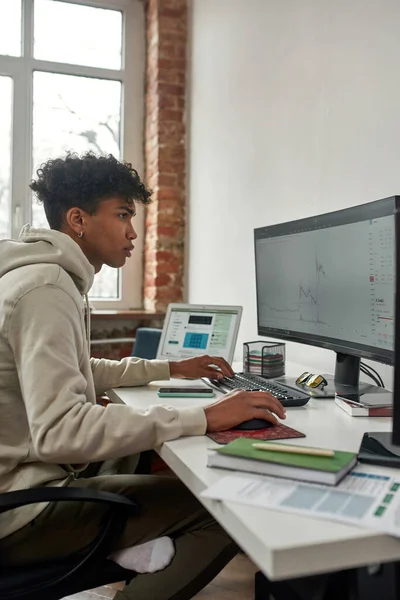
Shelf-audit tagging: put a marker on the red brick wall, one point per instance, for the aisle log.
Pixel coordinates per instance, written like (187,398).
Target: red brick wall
(165,151)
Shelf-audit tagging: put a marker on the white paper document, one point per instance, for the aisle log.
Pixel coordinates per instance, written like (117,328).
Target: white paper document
(368,497)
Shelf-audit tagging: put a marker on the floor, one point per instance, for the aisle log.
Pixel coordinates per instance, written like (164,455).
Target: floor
(235,581)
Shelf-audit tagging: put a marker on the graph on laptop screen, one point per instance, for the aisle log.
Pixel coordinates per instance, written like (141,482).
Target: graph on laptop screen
(329,281)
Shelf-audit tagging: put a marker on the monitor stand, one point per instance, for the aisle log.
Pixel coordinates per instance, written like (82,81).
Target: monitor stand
(346,382)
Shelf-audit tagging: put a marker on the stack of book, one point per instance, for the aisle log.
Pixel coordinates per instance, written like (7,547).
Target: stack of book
(314,465)
(384,408)
(267,365)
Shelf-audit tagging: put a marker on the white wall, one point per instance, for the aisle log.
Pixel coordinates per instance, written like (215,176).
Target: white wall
(294,110)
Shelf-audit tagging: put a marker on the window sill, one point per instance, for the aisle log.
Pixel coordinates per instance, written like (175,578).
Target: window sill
(142,315)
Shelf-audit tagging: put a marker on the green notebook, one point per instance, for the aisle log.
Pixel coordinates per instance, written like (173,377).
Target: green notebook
(240,455)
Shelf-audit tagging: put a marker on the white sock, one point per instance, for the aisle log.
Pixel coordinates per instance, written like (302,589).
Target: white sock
(146,558)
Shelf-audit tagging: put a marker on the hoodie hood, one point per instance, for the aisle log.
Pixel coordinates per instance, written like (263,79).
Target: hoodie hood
(47,246)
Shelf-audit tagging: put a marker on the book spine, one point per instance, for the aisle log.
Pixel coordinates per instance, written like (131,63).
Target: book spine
(362,411)
(384,411)
(352,411)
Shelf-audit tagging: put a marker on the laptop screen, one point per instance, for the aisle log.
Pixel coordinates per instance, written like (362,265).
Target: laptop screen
(192,329)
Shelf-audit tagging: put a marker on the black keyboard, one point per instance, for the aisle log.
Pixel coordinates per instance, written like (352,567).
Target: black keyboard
(287,395)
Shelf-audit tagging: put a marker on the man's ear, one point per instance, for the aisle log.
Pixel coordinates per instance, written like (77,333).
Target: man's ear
(75,220)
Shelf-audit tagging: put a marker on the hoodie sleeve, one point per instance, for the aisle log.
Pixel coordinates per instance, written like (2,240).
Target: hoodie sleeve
(127,372)
(46,338)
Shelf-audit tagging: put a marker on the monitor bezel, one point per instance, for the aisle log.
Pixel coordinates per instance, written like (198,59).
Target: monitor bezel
(371,210)
(396,387)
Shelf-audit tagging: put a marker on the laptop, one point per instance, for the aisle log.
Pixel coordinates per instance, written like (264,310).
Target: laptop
(194,329)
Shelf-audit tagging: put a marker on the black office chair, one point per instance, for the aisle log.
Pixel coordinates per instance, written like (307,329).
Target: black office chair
(59,578)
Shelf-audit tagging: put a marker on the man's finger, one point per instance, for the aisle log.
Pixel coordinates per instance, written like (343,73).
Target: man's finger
(263,399)
(221,364)
(213,374)
(259,413)
(274,407)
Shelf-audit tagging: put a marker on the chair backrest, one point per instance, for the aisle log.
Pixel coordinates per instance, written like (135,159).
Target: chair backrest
(51,581)
(146,342)
(56,579)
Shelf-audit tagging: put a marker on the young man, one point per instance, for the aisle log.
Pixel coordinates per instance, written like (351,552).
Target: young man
(51,428)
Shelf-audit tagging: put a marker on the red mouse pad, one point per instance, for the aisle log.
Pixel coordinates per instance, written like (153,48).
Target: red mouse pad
(278,432)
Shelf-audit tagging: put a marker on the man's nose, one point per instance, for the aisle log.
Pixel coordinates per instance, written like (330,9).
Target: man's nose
(132,235)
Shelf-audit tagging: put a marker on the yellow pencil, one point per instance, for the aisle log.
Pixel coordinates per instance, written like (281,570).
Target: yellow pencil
(294,449)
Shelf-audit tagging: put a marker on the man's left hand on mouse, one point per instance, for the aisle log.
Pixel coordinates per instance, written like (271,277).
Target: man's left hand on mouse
(213,367)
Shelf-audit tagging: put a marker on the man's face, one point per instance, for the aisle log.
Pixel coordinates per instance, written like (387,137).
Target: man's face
(109,233)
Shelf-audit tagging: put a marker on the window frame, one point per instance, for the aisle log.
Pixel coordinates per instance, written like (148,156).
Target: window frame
(131,75)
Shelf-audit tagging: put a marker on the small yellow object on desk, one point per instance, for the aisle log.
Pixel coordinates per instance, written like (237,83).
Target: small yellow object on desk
(294,449)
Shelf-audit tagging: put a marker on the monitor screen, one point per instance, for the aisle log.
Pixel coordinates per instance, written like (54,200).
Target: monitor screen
(190,330)
(396,392)
(329,281)
(382,448)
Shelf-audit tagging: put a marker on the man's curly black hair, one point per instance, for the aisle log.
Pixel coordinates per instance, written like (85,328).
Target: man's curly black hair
(84,181)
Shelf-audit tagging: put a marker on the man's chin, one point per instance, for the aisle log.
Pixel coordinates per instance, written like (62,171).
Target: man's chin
(114,264)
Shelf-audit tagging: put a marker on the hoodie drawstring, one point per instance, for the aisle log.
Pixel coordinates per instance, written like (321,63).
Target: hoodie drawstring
(87,311)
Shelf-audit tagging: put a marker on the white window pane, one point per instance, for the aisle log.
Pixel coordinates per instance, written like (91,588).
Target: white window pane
(73,113)
(76,34)
(6,93)
(76,114)
(106,284)
(10,27)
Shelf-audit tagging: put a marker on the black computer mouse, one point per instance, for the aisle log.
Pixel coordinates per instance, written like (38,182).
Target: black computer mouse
(253,424)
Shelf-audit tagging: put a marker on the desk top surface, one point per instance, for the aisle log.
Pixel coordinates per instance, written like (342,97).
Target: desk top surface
(282,545)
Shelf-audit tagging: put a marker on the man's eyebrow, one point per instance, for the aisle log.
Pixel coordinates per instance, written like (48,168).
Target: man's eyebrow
(129,210)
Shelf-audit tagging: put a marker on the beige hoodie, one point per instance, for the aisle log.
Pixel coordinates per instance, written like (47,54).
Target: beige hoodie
(50,424)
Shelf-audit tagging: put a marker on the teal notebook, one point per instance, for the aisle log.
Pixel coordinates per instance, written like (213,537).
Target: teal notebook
(240,455)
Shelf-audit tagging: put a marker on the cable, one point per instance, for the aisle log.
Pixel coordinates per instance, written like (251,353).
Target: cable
(377,379)
(374,379)
(368,367)
(377,374)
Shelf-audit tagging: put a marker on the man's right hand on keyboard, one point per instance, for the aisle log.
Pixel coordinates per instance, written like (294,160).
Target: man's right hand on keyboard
(239,406)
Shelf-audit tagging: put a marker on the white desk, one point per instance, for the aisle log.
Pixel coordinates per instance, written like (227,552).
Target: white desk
(282,545)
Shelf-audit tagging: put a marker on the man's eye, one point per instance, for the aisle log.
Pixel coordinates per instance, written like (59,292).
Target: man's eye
(123,215)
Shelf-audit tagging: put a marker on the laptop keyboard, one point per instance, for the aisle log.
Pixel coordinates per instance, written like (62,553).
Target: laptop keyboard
(287,395)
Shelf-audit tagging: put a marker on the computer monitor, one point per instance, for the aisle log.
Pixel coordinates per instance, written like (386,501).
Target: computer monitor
(328,281)
(383,447)
(396,390)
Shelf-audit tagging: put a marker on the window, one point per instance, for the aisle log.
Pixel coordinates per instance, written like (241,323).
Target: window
(71,78)
(5,153)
